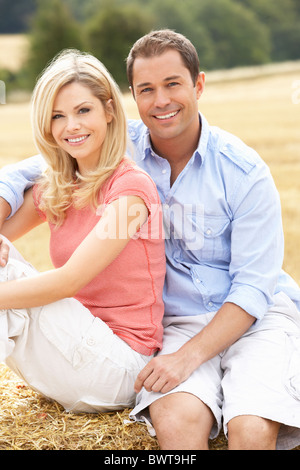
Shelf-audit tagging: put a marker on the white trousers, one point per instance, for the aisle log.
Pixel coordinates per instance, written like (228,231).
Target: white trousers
(65,353)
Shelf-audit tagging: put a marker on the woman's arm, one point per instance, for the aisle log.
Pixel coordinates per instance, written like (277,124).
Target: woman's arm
(117,226)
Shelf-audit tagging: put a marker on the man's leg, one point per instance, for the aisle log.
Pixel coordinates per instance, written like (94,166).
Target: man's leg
(181,422)
(252,433)
(261,373)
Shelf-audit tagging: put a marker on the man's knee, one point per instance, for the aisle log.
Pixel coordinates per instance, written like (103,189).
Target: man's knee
(181,421)
(252,433)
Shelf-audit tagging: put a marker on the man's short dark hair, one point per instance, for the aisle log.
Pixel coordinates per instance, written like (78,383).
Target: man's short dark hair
(156,43)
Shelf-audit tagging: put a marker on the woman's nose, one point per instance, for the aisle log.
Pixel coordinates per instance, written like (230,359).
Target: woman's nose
(73,124)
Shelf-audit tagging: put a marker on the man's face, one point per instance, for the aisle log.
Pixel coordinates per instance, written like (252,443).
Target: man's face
(166,96)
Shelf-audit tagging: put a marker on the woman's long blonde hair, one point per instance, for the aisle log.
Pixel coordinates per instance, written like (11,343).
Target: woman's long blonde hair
(62,185)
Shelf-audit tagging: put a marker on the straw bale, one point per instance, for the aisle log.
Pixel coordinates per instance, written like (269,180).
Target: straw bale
(28,421)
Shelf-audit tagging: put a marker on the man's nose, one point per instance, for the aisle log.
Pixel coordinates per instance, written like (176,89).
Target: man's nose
(162,98)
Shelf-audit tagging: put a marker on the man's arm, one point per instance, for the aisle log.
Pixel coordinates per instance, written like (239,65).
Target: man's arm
(256,260)
(165,372)
(15,179)
(5,210)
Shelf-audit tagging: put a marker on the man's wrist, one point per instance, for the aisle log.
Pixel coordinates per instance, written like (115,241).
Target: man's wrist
(5,210)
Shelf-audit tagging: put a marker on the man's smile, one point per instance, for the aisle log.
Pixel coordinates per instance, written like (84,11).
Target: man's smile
(163,117)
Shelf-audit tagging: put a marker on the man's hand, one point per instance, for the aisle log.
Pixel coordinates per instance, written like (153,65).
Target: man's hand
(163,373)
(4,252)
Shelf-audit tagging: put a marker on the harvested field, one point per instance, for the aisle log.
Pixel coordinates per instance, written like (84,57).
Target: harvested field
(260,108)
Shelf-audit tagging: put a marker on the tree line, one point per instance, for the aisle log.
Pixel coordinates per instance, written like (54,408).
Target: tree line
(226,33)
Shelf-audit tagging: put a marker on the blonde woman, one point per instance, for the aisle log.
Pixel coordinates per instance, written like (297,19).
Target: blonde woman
(80,333)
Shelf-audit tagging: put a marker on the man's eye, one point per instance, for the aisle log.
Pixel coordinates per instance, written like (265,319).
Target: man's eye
(146,90)
(171,84)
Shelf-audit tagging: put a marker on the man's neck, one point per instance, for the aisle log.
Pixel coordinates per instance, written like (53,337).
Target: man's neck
(176,151)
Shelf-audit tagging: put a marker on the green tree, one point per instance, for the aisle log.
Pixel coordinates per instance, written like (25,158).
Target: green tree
(112,32)
(180,16)
(15,15)
(53,29)
(226,33)
(282,20)
(238,36)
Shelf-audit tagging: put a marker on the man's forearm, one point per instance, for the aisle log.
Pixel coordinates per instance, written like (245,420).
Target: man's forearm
(16,178)
(165,372)
(5,210)
(228,325)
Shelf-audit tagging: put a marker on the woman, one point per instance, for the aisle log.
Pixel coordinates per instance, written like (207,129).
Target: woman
(80,333)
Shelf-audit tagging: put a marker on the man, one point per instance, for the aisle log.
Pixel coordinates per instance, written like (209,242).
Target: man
(231,348)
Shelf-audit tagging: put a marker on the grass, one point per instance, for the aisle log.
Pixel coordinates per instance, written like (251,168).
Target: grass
(260,110)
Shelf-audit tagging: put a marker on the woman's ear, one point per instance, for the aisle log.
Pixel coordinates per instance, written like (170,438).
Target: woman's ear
(109,110)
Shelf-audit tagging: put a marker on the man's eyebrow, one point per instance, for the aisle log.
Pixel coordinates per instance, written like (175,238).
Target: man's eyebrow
(141,85)
(167,79)
(173,77)
(75,107)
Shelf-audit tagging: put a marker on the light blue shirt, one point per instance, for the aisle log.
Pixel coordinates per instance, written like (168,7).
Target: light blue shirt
(223,226)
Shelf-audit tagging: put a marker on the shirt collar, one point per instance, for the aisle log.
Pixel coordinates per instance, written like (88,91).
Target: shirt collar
(199,152)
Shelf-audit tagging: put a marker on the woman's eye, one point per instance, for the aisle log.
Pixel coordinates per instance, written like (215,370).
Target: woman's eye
(56,116)
(84,110)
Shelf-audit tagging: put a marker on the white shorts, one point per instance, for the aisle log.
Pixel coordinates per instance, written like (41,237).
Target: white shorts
(62,351)
(258,375)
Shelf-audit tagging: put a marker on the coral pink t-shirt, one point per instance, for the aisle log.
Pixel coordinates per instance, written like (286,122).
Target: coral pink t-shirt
(127,295)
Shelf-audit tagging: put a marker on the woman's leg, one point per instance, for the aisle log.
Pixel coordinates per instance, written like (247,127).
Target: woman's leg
(65,353)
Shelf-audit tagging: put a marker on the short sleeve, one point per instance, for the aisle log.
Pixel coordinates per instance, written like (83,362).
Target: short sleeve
(136,182)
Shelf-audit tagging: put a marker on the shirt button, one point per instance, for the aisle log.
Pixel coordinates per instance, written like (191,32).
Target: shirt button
(164,172)
(210,304)
(198,281)
(208,231)
(90,341)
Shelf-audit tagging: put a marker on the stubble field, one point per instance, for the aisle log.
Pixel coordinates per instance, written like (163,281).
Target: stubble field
(260,105)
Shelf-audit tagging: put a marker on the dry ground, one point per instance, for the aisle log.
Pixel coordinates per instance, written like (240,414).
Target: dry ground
(13,50)
(261,111)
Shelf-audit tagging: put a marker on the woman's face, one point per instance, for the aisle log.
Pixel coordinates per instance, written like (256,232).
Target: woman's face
(79,124)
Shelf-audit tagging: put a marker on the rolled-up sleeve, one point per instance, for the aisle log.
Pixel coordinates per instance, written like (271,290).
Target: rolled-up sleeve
(257,246)
(16,178)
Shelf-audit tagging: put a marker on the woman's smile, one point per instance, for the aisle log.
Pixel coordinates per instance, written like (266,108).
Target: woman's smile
(79,124)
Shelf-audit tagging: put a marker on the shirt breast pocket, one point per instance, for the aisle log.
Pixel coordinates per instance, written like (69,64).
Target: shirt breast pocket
(208,237)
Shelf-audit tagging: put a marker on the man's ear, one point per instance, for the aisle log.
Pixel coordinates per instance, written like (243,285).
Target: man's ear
(200,83)
(132,92)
